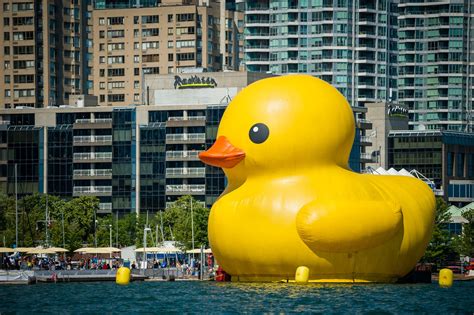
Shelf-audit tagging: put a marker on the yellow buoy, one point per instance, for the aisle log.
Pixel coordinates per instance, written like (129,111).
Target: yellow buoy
(302,274)
(445,278)
(123,276)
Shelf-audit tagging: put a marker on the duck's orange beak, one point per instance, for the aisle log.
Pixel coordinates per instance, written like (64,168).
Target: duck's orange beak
(222,154)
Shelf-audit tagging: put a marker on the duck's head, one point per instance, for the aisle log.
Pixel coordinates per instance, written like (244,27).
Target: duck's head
(282,124)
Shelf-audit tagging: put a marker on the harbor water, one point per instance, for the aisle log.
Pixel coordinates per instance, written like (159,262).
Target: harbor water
(205,297)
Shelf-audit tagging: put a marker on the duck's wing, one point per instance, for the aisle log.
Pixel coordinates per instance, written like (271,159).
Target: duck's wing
(347,226)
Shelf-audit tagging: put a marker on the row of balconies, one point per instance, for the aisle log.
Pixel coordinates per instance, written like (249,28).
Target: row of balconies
(182,155)
(188,189)
(186,172)
(199,137)
(93,172)
(93,139)
(92,190)
(92,156)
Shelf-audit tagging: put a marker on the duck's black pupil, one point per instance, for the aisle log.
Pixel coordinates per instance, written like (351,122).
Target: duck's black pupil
(258,133)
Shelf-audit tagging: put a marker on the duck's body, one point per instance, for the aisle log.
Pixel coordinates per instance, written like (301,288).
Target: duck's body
(243,243)
(292,201)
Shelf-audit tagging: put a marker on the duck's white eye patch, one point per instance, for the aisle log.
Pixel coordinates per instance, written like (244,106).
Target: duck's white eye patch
(258,133)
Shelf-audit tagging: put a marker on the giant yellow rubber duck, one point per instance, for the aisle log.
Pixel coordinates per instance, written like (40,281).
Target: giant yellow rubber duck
(292,201)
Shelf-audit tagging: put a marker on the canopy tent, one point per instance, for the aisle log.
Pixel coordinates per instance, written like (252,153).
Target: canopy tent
(100,250)
(162,249)
(82,249)
(198,251)
(59,249)
(23,249)
(6,250)
(40,250)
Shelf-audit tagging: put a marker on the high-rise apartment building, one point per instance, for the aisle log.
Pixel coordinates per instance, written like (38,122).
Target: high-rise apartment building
(350,44)
(135,39)
(436,63)
(44,58)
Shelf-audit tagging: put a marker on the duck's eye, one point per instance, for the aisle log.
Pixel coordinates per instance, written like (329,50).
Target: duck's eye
(258,133)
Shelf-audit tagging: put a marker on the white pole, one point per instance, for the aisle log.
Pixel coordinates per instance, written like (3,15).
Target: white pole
(16,206)
(110,227)
(192,222)
(47,222)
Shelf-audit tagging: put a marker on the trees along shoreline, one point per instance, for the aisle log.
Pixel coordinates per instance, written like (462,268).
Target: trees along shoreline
(79,227)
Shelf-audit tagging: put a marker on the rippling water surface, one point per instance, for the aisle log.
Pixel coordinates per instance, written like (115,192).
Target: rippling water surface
(205,297)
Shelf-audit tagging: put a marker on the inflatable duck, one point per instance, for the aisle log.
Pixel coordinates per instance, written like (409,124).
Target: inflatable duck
(292,201)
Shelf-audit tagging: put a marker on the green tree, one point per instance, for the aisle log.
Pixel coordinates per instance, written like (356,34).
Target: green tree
(441,247)
(7,219)
(178,218)
(465,242)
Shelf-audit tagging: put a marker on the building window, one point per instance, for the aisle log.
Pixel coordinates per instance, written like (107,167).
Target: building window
(136,97)
(146,19)
(170,18)
(7,79)
(102,98)
(185,56)
(6,50)
(101,34)
(6,21)
(136,45)
(6,36)
(170,44)
(101,59)
(150,45)
(7,93)
(151,70)
(117,20)
(23,50)
(22,35)
(102,85)
(101,47)
(116,72)
(170,31)
(115,59)
(116,85)
(185,30)
(136,71)
(102,72)
(170,70)
(136,19)
(185,43)
(136,59)
(6,7)
(136,33)
(151,58)
(116,97)
(116,34)
(24,93)
(170,57)
(101,21)
(185,17)
(150,32)
(136,84)
(6,65)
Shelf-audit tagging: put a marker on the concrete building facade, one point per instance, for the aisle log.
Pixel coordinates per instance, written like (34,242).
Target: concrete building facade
(160,37)
(133,158)
(383,118)
(45,54)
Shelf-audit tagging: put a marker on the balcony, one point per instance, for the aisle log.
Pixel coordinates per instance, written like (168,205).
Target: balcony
(364,140)
(366,158)
(92,157)
(182,155)
(185,172)
(93,140)
(92,190)
(189,121)
(93,174)
(185,189)
(105,207)
(97,123)
(364,123)
(186,138)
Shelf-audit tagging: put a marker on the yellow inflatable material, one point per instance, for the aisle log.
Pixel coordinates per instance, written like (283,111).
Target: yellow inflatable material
(445,278)
(292,200)
(123,276)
